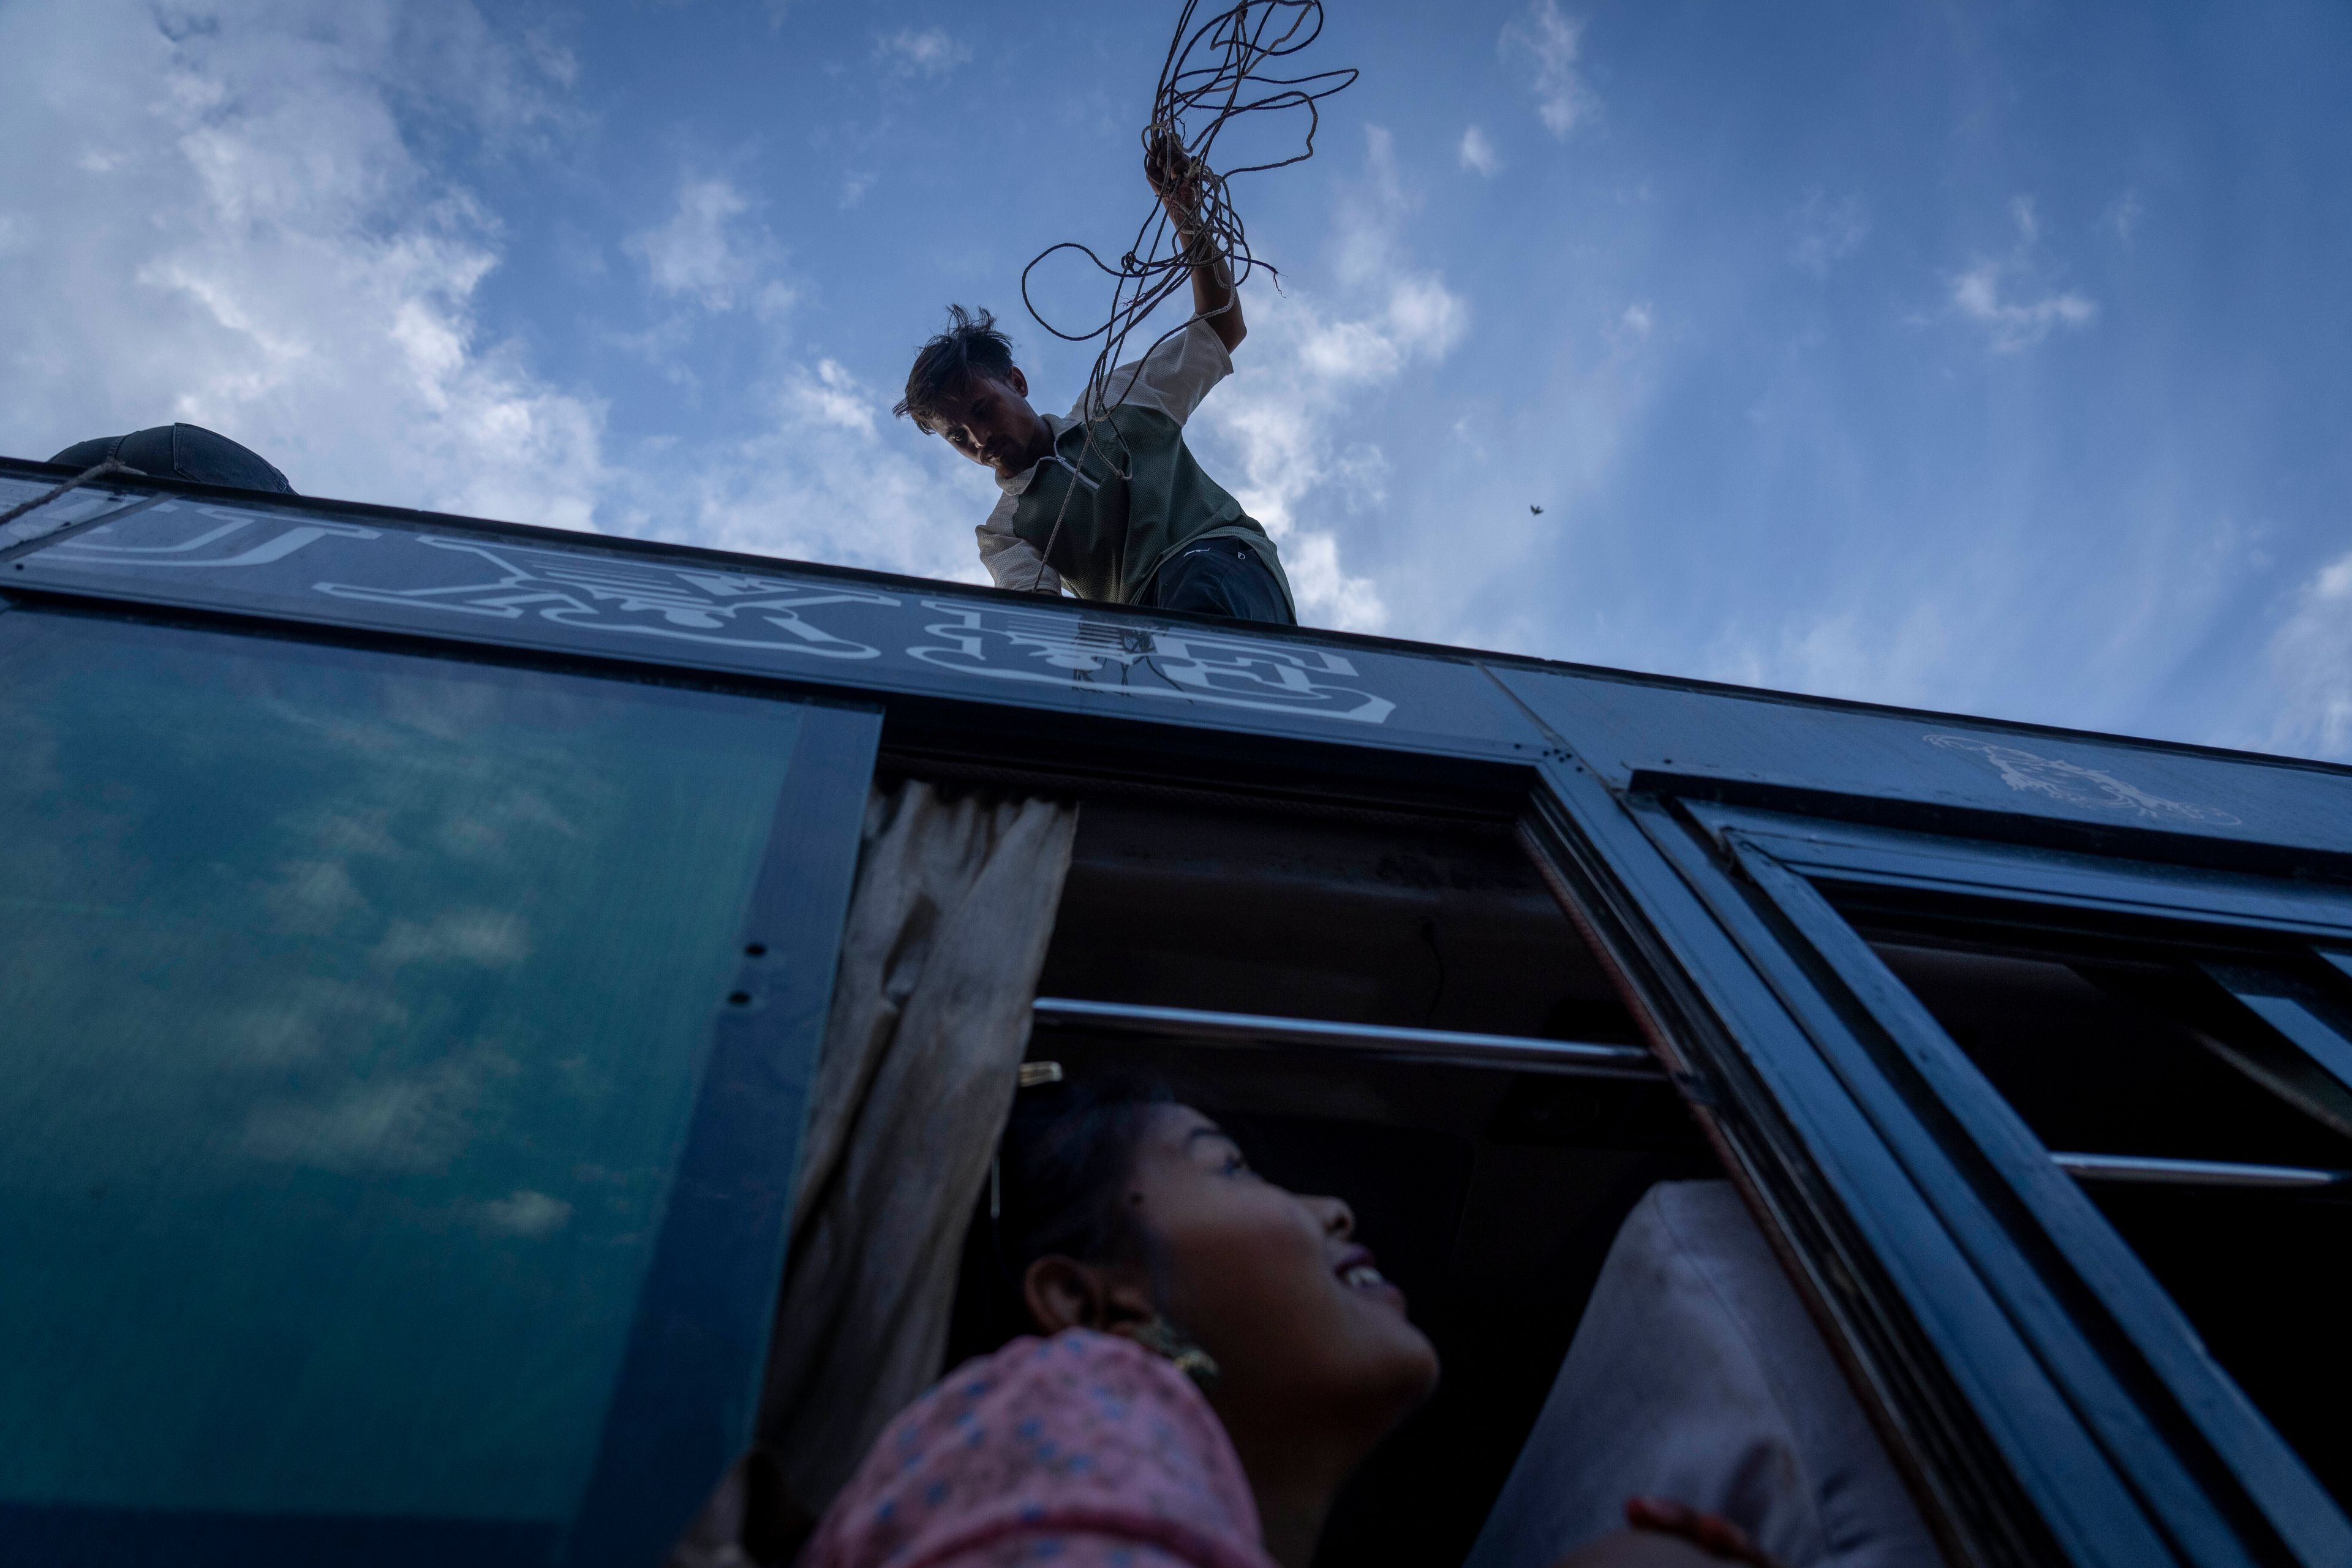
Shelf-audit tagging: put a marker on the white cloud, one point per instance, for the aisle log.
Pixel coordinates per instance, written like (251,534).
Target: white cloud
(703,252)
(2015,324)
(310,895)
(263,253)
(555,61)
(236,234)
(305,1019)
(1981,294)
(833,397)
(524,1213)
(384,1122)
(492,939)
(2311,657)
(1827,232)
(2123,216)
(2029,222)
(929,52)
(1549,43)
(1478,154)
(832,477)
(264,249)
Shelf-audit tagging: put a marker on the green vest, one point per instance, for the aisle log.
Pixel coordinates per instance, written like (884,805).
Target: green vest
(1116,532)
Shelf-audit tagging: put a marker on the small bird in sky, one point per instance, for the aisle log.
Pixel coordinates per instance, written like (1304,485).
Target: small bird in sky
(1535,510)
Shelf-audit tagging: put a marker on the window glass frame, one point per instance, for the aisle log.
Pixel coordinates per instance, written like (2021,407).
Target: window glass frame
(685,1391)
(2202,1459)
(2005,1466)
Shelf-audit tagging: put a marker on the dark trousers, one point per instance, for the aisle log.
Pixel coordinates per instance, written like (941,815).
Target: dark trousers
(1219,577)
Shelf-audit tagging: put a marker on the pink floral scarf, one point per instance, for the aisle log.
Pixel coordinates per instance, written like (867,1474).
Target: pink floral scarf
(1082,1451)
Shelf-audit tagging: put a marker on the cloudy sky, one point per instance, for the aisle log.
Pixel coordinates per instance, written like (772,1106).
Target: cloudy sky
(1994,358)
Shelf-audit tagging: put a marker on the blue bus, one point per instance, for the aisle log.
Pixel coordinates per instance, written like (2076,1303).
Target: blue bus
(418,936)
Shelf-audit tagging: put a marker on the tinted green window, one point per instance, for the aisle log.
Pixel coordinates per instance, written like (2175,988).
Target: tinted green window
(352,1010)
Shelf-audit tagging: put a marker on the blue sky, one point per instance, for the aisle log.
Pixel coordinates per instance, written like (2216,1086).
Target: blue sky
(1992,358)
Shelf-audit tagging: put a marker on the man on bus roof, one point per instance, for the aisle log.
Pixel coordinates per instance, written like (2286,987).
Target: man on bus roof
(1109,500)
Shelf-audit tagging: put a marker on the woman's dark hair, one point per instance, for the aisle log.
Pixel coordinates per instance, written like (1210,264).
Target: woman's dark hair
(972,345)
(1061,1180)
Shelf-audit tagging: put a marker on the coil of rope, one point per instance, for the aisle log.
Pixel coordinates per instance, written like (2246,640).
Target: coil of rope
(1217,70)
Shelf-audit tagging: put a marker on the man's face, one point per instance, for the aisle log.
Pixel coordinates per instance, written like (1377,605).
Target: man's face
(989,420)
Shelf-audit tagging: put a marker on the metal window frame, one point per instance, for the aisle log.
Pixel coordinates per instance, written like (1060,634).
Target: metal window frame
(686,1389)
(1880,1232)
(1248,1031)
(2201,1458)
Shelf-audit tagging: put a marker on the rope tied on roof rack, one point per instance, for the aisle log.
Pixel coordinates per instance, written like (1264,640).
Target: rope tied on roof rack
(97,471)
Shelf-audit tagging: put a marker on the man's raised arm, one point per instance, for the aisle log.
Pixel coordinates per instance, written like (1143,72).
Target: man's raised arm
(1173,180)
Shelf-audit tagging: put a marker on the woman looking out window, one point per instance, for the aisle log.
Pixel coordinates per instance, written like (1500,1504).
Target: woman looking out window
(1203,1358)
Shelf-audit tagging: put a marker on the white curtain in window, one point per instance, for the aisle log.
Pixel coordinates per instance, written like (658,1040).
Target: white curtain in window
(947,932)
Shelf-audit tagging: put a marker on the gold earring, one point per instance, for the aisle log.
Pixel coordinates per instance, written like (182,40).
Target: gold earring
(1165,1339)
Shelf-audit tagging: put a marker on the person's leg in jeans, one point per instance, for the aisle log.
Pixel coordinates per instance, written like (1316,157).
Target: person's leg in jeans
(1220,577)
(181,452)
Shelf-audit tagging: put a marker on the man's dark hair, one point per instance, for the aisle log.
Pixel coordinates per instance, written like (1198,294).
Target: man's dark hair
(970,346)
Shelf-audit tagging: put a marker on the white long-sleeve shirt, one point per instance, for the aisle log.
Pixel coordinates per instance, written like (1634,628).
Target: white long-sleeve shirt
(1171,378)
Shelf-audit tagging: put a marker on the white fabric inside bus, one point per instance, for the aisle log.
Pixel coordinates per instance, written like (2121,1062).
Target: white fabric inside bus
(947,932)
(1696,1375)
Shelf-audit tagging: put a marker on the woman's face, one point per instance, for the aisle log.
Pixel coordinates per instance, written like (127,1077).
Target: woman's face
(1272,1285)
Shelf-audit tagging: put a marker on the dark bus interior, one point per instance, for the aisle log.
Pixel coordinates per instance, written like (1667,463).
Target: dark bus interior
(1491,1195)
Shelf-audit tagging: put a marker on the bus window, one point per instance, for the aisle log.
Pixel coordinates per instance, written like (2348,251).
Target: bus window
(1396,1011)
(358,1004)
(2168,1098)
